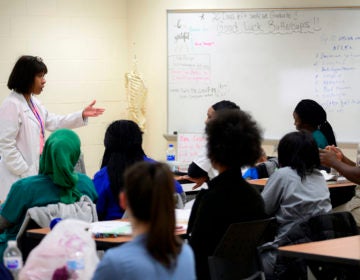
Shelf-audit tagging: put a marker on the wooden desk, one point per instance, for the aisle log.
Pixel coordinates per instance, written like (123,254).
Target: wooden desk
(340,192)
(101,243)
(344,250)
(331,184)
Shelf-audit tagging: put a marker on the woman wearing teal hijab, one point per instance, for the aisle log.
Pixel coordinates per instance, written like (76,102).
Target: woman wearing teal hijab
(56,182)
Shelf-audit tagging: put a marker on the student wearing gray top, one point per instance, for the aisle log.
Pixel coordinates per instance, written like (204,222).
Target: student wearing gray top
(155,252)
(296,191)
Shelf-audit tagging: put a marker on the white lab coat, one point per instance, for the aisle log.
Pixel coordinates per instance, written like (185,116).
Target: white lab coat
(20,137)
(204,163)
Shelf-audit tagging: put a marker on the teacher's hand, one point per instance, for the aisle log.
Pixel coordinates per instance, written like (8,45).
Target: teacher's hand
(91,111)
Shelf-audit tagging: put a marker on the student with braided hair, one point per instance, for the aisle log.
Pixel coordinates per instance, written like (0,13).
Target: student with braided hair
(311,116)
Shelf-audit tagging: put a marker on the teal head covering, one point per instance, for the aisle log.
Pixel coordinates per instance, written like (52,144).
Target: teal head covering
(60,154)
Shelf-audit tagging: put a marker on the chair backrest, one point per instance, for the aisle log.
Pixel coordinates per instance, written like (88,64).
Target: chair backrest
(236,256)
(322,227)
(317,228)
(37,217)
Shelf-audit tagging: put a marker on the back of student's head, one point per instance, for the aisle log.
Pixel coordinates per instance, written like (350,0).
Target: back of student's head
(22,75)
(299,151)
(60,154)
(224,104)
(123,147)
(233,139)
(149,189)
(122,136)
(312,113)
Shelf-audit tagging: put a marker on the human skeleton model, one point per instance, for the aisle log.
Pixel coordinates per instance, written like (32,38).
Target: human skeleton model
(136,95)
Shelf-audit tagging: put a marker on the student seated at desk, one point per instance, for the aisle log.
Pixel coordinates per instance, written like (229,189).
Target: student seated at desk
(56,182)
(309,115)
(155,252)
(265,167)
(201,170)
(333,157)
(234,141)
(296,191)
(123,147)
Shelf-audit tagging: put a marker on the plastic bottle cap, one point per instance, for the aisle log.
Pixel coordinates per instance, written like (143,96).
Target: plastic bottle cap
(53,222)
(12,243)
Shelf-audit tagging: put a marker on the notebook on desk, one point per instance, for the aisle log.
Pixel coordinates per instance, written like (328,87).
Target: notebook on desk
(110,228)
(333,178)
(117,228)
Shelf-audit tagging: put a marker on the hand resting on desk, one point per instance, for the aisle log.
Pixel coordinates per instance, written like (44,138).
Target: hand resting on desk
(198,181)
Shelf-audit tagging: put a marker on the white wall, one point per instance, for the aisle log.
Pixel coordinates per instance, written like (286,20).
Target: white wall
(88,46)
(84,45)
(147,30)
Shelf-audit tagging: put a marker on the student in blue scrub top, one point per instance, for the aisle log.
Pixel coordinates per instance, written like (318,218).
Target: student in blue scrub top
(123,148)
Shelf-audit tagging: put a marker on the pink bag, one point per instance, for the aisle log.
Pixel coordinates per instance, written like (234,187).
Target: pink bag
(67,238)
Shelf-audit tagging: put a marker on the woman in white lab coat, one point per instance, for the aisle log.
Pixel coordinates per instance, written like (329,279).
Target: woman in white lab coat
(23,121)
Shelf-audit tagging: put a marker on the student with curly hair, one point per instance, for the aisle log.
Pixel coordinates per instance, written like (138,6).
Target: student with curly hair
(233,141)
(201,170)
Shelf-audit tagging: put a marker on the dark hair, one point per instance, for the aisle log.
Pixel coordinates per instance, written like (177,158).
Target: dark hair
(312,113)
(299,151)
(224,104)
(23,74)
(233,139)
(149,188)
(123,140)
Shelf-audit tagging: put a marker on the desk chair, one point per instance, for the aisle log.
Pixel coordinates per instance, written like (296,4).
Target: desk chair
(236,256)
(317,228)
(38,217)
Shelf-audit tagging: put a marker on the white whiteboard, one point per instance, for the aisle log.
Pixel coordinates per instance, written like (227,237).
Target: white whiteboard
(266,61)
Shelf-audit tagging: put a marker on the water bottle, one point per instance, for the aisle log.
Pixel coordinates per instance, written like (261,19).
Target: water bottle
(75,265)
(13,258)
(170,157)
(170,153)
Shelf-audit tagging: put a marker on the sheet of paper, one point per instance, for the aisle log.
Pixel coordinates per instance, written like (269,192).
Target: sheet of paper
(111,227)
(182,218)
(189,187)
(328,176)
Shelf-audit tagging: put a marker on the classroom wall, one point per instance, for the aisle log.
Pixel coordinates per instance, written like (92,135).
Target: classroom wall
(88,46)
(84,45)
(147,40)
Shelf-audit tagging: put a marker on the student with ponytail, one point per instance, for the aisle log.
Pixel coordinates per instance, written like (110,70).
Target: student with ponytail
(155,252)
(310,116)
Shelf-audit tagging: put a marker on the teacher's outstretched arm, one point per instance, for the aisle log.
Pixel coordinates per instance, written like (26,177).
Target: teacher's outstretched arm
(91,111)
